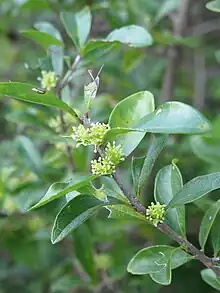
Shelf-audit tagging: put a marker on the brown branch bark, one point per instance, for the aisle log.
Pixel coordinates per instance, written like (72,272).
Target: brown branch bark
(179,26)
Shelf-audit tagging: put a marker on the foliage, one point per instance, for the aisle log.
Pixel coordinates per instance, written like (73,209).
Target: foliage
(123,178)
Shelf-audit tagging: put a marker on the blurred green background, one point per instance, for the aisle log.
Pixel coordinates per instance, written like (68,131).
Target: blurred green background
(182,64)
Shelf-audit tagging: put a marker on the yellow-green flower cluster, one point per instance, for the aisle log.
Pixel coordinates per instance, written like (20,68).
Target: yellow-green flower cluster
(155,213)
(92,135)
(48,80)
(107,164)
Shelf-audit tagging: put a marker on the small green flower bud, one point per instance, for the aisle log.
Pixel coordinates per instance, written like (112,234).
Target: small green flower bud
(81,135)
(155,213)
(107,165)
(93,135)
(97,132)
(48,80)
(114,153)
(102,167)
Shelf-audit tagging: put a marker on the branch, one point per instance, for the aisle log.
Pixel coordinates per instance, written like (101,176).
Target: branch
(61,85)
(204,28)
(179,25)
(198,254)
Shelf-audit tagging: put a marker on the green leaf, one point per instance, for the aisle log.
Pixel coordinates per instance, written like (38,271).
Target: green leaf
(111,189)
(206,149)
(213,5)
(83,248)
(153,259)
(96,50)
(207,223)
(196,188)
(166,8)
(142,167)
(132,35)
(90,92)
(167,183)
(215,235)
(31,152)
(127,114)
(24,92)
(43,39)
(58,189)
(163,277)
(56,52)
(73,214)
(77,25)
(177,257)
(174,117)
(124,212)
(210,278)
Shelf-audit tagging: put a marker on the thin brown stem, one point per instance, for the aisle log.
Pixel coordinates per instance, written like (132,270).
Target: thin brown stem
(198,254)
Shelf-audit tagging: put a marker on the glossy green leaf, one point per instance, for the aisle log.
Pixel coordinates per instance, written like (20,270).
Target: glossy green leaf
(196,188)
(83,248)
(41,38)
(127,114)
(153,259)
(56,52)
(132,35)
(77,25)
(175,117)
(167,183)
(95,50)
(207,223)
(73,214)
(213,5)
(142,167)
(206,149)
(24,92)
(58,189)
(210,278)
(124,212)
(111,189)
(164,276)
(215,235)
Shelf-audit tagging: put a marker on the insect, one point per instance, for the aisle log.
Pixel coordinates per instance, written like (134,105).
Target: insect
(39,91)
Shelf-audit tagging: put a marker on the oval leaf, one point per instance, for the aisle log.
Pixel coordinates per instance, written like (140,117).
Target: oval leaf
(127,114)
(77,25)
(132,35)
(56,52)
(210,278)
(24,92)
(174,117)
(41,38)
(207,223)
(213,5)
(142,167)
(167,183)
(73,214)
(58,189)
(124,212)
(196,188)
(153,259)
(215,236)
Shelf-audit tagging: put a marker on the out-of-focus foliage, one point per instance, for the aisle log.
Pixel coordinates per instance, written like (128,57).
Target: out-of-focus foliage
(132,39)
